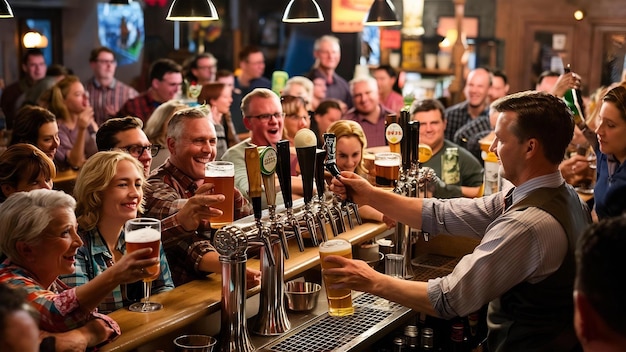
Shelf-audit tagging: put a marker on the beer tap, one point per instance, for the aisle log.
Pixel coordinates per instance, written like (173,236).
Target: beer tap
(306,145)
(272,318)
(330,141)
(268,160)
(253,167)
(231,243)
(284,178)
(322,214)
(331,166)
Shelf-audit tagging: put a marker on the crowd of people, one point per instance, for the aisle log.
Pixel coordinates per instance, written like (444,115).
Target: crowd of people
(143,154)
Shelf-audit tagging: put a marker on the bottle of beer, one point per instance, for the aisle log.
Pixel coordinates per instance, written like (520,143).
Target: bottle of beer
(410,338)
(574,100)
(458,340)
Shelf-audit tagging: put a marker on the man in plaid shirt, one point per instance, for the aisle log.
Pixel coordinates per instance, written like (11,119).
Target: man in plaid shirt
(178,195)
(476,104)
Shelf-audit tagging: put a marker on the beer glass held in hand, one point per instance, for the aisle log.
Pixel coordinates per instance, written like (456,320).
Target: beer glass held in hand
(387,166)
(339,300)
(222,175)
(145,233)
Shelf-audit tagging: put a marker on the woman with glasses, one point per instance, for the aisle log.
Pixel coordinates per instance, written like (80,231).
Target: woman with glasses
(69,102)
(37,126)
(108,192)
(218,96)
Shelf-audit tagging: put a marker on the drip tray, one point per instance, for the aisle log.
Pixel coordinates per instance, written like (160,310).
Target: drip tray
(327,333)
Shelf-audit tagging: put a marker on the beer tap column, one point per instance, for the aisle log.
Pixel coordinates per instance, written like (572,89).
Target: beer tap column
(272,318)
(231,243)
(269,160)
(306,145)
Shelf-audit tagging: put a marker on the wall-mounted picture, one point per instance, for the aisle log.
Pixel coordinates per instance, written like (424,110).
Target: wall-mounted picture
(121,28)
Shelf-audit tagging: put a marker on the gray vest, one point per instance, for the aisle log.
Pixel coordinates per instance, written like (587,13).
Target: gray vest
(540,316)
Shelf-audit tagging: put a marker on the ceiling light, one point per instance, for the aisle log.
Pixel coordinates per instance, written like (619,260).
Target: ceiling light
(382,14)
(303,11)
(120,2)
(5,9)
(192,10)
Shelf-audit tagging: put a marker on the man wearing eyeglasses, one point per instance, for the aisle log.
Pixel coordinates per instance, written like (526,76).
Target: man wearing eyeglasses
(201,68)
(126,133)
(264,118)
(106,94)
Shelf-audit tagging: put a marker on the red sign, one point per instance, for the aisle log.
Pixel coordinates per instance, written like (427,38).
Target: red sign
(160,3)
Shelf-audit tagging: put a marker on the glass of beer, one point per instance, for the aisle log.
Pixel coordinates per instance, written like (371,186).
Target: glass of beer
(145,233)
(387,166)
(222,175)
(339,300)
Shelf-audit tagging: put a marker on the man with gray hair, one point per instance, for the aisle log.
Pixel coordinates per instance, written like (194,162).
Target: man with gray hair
(367,110)
(178,196)
(327,53)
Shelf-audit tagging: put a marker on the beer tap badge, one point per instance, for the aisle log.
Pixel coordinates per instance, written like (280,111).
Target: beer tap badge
(393,133)
(269,160)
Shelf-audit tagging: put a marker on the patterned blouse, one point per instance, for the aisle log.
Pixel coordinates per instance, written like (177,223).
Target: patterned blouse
(57,305)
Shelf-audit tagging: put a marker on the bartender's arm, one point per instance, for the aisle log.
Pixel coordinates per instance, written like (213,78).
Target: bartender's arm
(406,210)
(357,275)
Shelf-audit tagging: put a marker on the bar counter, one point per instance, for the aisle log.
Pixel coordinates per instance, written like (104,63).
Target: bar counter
(188,303)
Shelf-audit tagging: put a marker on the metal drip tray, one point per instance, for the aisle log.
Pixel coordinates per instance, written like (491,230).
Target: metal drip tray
(327,333)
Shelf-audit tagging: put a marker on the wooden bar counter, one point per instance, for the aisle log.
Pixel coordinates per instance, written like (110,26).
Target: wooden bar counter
(188,303)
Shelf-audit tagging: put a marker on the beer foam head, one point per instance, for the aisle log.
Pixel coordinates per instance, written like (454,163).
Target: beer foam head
(305,138)
(387,162)
(335,245)
(146,234)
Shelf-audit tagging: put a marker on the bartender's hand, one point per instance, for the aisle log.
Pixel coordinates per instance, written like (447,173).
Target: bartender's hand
(198,208)
(353,274)
(350,185)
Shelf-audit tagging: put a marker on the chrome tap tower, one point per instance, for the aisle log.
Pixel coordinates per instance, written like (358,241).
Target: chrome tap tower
(270,231)
(412,182)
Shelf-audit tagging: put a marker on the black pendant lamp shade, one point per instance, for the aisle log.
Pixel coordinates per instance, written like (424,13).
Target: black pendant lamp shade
(382,13)
(192,10)
(302,11)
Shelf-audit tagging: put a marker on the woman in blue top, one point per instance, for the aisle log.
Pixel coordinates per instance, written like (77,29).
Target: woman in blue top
(610,189)
(109,191)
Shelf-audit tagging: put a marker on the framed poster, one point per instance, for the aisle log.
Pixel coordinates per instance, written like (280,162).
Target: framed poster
(121,28)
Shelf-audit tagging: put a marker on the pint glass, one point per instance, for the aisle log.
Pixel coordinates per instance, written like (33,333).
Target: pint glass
(222,175)
(145,233)
(339,300)
(387,167)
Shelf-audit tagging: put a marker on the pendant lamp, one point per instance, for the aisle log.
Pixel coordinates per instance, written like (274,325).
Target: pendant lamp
(5,9)
(120,2)
(302,11)
(192,10)
(382,14)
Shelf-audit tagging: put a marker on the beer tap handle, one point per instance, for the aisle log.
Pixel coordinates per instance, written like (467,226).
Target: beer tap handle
(414,127)
(253,166)
(330,141)
(306,145)
(268,160)
(283,170)
(320,155)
